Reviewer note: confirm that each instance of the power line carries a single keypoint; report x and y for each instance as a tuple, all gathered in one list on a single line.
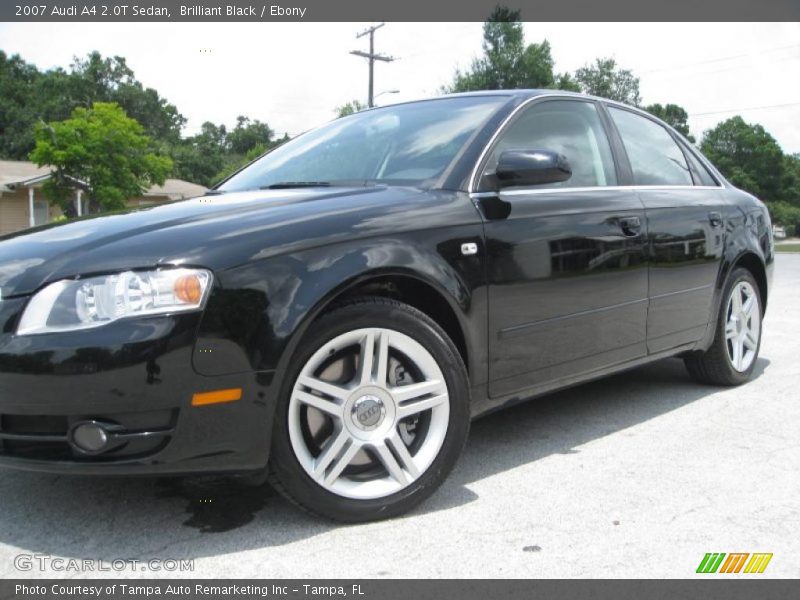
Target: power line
[(721, 59), (718, 112), (372, 56), (719, 71)]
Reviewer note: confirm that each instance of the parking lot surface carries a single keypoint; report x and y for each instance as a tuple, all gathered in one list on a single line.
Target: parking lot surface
[(637, 475)]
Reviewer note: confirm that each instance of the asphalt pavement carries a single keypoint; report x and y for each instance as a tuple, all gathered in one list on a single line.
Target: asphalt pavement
[(636, 475)]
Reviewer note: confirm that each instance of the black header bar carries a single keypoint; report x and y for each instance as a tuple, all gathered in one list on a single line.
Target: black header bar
[(407, 10)]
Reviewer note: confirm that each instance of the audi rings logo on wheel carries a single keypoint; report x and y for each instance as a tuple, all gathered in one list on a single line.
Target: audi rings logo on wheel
[(369, 411)]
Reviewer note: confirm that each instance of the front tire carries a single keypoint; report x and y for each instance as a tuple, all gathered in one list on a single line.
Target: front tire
[(732, 356), (374, 412)]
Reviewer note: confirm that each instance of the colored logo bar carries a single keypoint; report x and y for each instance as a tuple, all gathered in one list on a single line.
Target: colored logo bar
[(735, 562)]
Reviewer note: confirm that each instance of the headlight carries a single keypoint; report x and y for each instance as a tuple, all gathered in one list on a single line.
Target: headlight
[(68, 305)]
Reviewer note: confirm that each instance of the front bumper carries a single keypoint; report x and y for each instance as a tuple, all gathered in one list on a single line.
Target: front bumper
[(135, 374)]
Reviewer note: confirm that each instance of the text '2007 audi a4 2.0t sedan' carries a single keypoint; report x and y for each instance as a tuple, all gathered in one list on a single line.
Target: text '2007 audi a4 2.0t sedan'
[(340, 309)]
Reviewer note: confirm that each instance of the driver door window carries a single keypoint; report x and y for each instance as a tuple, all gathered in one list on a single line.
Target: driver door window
[(569, 127)]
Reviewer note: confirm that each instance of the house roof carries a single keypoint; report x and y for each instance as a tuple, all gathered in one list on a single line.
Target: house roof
[(18, 171), (177, 188), (15, 173)]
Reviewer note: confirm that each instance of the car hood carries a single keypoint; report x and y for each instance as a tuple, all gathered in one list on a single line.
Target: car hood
[(214, 231)]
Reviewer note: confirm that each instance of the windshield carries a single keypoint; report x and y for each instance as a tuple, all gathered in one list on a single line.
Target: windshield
[(406, 144)]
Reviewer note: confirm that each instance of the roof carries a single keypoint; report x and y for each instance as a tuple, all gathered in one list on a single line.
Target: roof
[(177, 187), (519, 95), (15, 173), (18, 171), (515, 92)]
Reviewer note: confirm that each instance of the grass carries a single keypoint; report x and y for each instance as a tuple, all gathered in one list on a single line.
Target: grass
[(787, 248)]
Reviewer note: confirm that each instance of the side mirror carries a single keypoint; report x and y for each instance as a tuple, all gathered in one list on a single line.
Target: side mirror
[(531, 167)]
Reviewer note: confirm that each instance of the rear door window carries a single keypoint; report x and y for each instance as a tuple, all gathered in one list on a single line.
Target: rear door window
[(655, 157)]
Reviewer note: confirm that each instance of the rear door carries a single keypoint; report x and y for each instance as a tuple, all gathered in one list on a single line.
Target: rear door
[(567, 264), (686, 229)]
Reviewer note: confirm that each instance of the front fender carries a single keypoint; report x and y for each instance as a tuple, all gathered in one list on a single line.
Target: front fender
[(258, 313)]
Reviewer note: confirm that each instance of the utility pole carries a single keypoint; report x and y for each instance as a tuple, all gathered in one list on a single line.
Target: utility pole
[(372, 57)]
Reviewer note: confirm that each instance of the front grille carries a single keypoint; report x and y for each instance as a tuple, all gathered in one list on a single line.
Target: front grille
[(46, 437)]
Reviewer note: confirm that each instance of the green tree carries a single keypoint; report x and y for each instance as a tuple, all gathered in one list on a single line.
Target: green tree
[(99, 79), (236, 162), (200, 157), (25, 96), (248, 135), (507, 61), (785, 214), (349, 108), (674, 115), (102, 147), (565, 81), (605, 79), (28, 96), (790, 183), (747, 155), (216, 152)]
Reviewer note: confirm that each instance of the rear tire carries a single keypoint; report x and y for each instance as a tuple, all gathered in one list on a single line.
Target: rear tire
[(355, 443), (732, 356)]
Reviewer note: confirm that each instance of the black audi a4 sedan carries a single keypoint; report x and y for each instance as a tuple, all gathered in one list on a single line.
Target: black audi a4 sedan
[(336, 312)]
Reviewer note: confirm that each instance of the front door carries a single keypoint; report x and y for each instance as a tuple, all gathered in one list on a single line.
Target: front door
[(567, 262)]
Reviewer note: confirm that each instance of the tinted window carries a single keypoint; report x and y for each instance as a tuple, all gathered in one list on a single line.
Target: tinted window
[(701, 174), (404, 144), (572, 128), (654, 156)]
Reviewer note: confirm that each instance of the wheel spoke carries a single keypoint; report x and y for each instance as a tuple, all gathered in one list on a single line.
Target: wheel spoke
[(340, 463), (323, 387), (403, 393), (365, 359), (417, 406), (374, 359), (730, 330), (736, 300), (749, 304), (750, 341), (738, 352), (382, 359), (401, 450), (390, 462), (328, 455), (329, 407)]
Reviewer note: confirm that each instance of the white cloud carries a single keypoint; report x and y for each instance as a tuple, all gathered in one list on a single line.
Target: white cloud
[(292, 75)]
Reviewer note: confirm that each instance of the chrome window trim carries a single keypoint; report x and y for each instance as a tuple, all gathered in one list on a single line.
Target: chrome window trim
[(596, 188), (473, 179)]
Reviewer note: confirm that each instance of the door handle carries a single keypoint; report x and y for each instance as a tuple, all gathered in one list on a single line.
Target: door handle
[(631, 226), (715, 219)]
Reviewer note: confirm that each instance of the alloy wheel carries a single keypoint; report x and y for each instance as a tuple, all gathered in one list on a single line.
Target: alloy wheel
[(742, 326), (368, 413)]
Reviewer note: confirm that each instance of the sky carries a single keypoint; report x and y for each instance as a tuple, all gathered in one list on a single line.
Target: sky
[(293, 75)]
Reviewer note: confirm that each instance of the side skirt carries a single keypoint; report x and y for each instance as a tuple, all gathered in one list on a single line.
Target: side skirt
[(482, 405)]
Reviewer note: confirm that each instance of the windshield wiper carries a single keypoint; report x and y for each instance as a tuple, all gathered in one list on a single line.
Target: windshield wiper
[(335, 183), (281, 185)]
